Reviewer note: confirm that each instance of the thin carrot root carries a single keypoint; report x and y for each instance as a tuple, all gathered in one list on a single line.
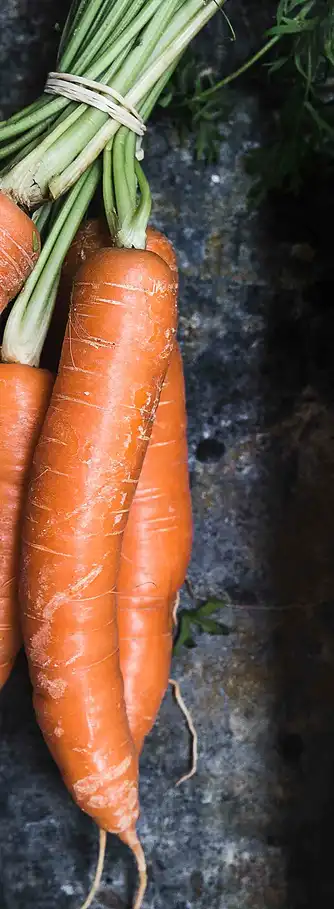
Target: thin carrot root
[(194, 755), (175, 608), (138, 852), (99, 870)]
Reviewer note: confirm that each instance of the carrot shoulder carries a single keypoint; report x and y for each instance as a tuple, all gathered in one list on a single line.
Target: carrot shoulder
[(19, 249), (155, 555), (115, 356), (24, 396)]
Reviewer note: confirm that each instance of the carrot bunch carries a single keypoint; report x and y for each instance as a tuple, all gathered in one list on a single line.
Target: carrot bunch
[(106, 534), (97, 530)]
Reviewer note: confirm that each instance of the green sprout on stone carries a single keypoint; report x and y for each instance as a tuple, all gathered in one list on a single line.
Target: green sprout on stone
[(200, 618)]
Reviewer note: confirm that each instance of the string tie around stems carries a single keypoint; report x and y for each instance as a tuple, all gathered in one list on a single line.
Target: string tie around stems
[(96, 94)]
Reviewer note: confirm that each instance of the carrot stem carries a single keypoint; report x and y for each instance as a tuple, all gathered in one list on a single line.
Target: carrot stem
[(108, 193), (132, 229), (122, 192), (85, 21), (103, 69), (72, 145), (129, 157), (137, 93), (109, 24), (42, 218), (99, 70), (30, 117), (77, 7), (24, 139), (132, 218)]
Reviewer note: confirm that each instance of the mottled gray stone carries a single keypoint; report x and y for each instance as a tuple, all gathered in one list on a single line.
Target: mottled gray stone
[(253, 830)]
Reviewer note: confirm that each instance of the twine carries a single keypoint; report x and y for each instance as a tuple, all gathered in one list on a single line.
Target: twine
[(95, 94)]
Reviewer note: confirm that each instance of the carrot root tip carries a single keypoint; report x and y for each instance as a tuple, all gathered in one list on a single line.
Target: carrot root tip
[(138, 853), (190, 723), (99, 871)]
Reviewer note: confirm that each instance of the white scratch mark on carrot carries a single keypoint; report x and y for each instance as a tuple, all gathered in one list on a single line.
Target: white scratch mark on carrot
[(54, 687), (29, 259), (90, 784)]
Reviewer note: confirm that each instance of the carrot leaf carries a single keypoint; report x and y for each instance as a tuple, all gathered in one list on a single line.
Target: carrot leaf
[(199, 616), (212, 627), (184, 638), (297, 52), (207, 607)]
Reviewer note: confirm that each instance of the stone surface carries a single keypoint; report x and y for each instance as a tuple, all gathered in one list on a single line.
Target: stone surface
[(253, 830)]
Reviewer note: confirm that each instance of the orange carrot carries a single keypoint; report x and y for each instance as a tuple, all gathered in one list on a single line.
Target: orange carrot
[(155, 555), (19, 249), (145, 680), (145, 628), (92, 235), (86, 466), (24, 396)]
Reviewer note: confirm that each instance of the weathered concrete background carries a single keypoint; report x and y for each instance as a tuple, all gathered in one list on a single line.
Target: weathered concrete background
[(253, 830)]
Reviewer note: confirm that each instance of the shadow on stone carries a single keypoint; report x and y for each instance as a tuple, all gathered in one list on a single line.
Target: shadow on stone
[(299, 405)]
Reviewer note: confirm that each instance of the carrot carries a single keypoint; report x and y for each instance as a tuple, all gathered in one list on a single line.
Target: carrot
[(24, 395), (155, 555), (145, 655), (143, 700), (19, 249), (86, 466), (93, 234)]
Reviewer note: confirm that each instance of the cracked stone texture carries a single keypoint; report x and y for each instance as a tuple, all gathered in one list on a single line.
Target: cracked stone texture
[(253, 830)]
